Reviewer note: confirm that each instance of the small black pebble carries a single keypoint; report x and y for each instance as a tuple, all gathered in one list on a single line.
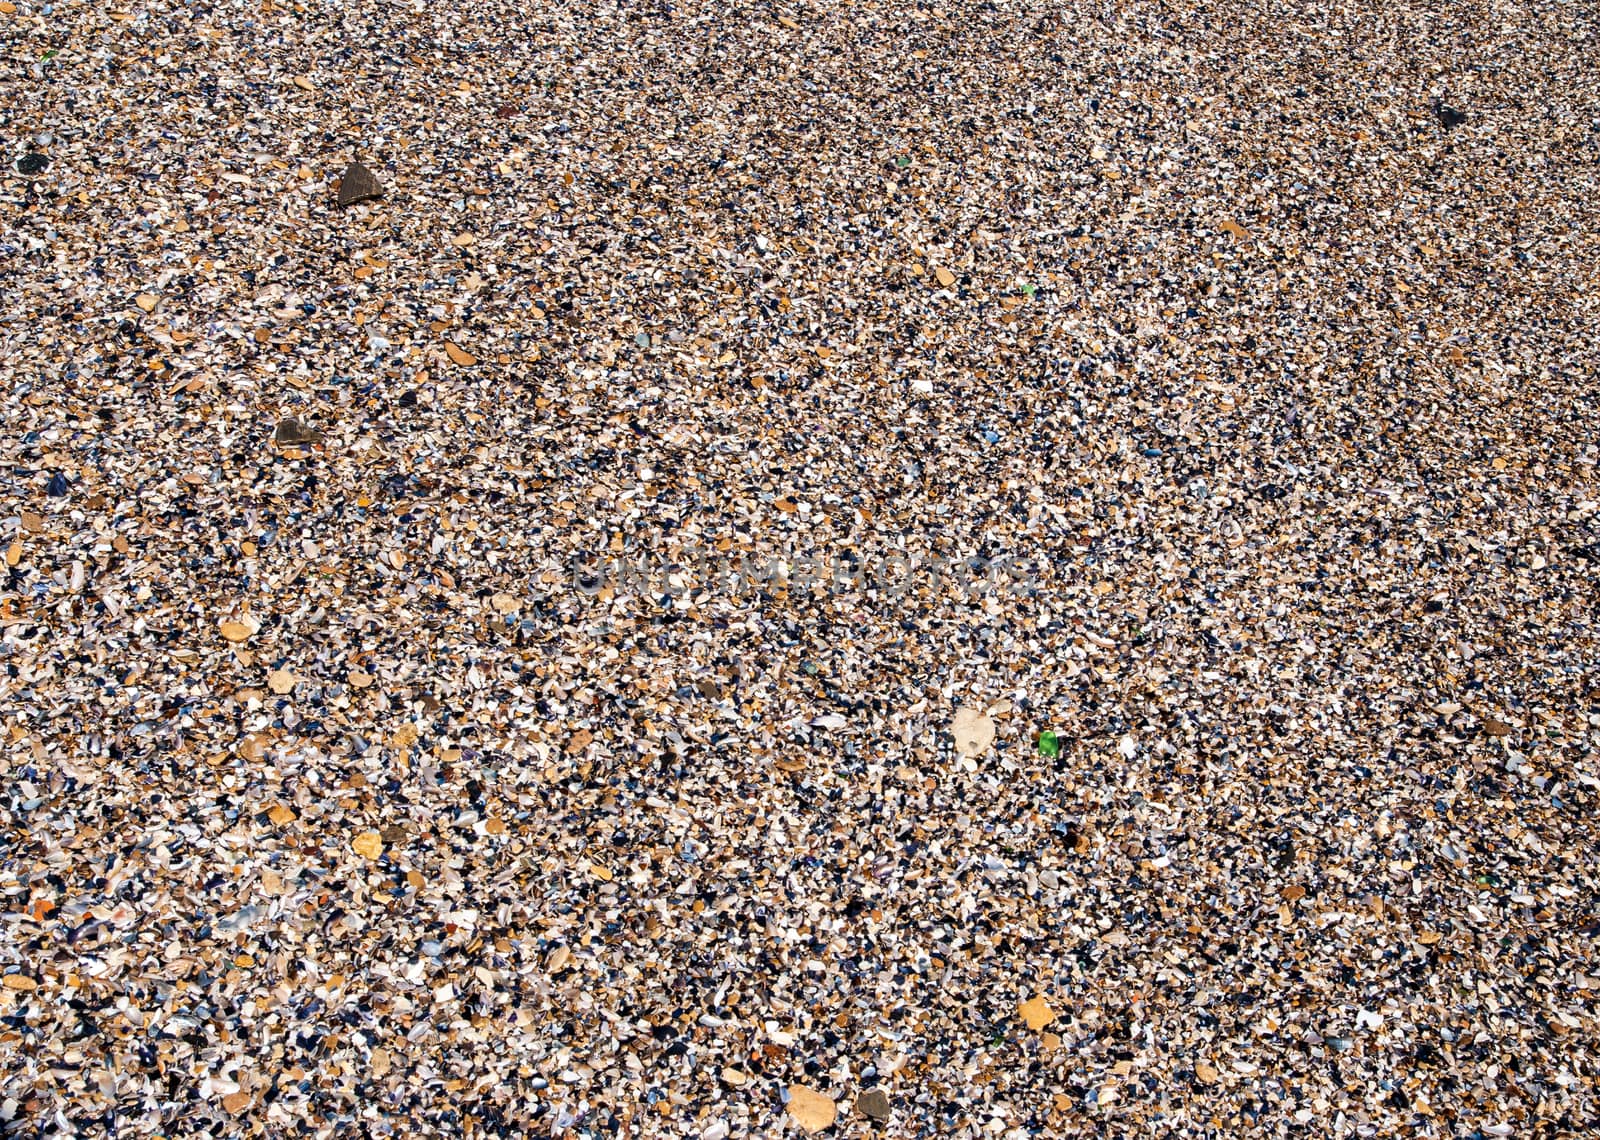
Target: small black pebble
[(32, 163)]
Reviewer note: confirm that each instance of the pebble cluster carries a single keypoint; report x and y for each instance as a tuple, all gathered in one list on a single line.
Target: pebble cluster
[(411, 719)]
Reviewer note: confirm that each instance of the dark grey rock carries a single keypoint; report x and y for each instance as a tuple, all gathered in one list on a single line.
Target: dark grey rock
[(358, 184)]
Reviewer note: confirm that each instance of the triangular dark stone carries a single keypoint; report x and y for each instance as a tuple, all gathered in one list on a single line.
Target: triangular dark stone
[(875, 1103), (295, 433), (358, 184)]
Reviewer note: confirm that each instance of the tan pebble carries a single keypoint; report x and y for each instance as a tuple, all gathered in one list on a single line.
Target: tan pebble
[(810, 1109), (1036, 1012), (236, 1102), (368, 844), (973, 731)]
